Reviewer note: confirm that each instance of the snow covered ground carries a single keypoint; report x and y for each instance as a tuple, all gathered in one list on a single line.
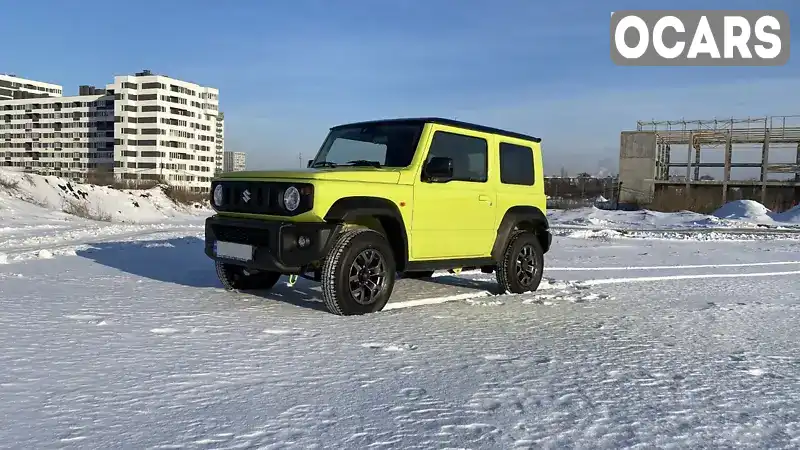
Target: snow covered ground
[(37, 215), (119, 335), (134, 344)]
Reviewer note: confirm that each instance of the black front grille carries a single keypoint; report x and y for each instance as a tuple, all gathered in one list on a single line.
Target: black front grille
[(257, 197), (240, 235)]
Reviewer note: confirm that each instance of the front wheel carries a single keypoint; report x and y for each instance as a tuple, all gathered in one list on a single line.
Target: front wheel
[(358, 274), (522, 264), (236, 278)]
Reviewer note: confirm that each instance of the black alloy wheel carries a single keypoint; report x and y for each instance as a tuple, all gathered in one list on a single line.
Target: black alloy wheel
[(522, 265), (367, 277), (358, 273), (526, 266)]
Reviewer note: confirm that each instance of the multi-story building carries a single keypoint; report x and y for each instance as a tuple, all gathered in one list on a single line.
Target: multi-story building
[(165, 130), (62, 136), (234, 162), (13, 87), (220, 143), (141, 127)]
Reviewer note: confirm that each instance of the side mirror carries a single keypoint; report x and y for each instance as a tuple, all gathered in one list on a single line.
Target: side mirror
[(439, 167), (310, 161)]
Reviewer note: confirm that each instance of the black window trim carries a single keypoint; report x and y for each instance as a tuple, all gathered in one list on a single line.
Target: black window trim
[(500, 162), (451, 123), (486, 153)]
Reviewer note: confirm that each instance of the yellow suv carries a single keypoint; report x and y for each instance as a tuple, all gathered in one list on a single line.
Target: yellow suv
[(406, 196)]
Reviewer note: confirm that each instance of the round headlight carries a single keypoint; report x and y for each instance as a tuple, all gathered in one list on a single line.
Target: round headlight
[(291, 198), (218, 196)]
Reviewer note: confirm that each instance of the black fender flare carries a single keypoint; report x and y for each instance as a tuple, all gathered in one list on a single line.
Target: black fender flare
[(522, 217), (348, 208)]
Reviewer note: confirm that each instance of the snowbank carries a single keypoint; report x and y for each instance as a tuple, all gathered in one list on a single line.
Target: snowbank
[(735, 214), (746, 210), (27, 196), (790, 216), (596, 217), (755, 212)]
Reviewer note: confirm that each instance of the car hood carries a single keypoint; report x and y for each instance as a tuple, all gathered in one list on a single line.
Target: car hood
[(353, 174)]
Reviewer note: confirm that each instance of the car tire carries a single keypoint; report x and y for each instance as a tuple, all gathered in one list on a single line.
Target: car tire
[(234, 278), (522, 264), (418, 274), (352, 249)]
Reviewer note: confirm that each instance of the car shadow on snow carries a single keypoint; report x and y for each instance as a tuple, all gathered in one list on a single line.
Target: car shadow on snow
[(183, 262)]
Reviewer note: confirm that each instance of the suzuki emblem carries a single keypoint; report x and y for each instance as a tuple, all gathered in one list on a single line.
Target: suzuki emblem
[(246, 195)]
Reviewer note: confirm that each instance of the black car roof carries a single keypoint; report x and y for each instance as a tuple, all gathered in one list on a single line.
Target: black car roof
[(443, 121)]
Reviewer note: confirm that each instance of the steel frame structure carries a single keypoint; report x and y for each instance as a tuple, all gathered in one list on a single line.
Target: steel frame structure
[(780, 131)]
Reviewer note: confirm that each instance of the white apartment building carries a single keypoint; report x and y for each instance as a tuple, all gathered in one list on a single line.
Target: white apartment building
[(141, 127), (234, 162), (220, 143), (12, 87), (165, 130), (62, 136)]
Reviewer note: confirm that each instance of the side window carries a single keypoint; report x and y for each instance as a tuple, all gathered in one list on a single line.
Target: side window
[(516, 164), (469, 155)]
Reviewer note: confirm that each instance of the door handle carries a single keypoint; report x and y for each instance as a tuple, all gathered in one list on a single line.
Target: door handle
[(483, 198)]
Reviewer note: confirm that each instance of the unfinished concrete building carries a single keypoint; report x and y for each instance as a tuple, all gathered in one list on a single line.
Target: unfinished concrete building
[(675, 157)]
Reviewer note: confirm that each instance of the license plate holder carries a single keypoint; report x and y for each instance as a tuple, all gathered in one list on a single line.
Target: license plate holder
[(233, 250)]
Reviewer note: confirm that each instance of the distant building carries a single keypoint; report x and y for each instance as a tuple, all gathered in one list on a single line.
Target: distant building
[(13, 88), (61, 136), (140, 127), (234, 162), (220, 141)]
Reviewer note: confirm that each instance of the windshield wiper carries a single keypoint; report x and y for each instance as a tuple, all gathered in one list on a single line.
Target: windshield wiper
[(364, 162), (324, 164)]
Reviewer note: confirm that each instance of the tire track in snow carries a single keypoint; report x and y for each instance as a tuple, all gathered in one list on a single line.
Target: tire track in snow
[(549, 293), (687, 230), (436, 300), (600, 281), (87, 234), (675, 267), (69, 246), (564, 286)]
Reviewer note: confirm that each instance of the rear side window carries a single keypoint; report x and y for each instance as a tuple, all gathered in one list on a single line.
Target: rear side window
[(516, 164)]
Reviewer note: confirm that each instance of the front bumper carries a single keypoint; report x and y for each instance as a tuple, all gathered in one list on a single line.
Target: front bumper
[(274, 243)]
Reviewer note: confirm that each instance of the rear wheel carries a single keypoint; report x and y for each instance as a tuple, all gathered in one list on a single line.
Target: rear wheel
[(522, 265), (358, 274), (236, 278)]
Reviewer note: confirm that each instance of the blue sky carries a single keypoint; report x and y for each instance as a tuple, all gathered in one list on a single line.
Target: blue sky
[(288, 70)]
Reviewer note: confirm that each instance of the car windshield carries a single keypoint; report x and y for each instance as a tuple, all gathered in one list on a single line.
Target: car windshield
[(377, 145)]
